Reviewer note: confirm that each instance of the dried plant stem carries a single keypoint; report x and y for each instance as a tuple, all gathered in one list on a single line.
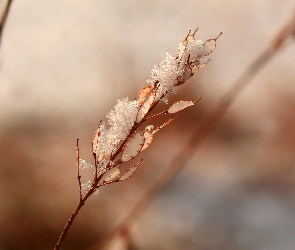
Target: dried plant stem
[(3, 17), (78, 169), (71, 219), (95, 183), (204, 127)]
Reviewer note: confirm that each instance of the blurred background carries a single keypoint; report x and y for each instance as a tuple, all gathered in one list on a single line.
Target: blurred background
[(63, 65)]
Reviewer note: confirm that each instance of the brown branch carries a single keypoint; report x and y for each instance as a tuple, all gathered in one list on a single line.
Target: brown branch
[(78, 169), (71, 220), (3, 17), (205, 126)]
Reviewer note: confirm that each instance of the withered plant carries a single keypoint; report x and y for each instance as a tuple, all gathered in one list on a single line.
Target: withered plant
[(123, 138)]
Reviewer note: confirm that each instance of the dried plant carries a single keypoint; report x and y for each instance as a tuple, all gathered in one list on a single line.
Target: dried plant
[(123, 140), (203, 129)]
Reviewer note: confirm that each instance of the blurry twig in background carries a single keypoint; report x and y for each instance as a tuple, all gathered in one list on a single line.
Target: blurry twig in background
[(3, 17), (205, 126)]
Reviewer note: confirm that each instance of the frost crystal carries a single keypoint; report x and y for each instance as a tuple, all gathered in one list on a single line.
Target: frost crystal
[(175, 70), (83, 164), (85, 187), (121, 119), (165, 74)]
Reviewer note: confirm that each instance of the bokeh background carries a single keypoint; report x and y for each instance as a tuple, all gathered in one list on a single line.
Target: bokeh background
[(63, 65)]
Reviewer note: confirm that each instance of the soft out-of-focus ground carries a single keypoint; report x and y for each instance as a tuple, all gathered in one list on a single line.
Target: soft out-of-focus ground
[(63, 65)]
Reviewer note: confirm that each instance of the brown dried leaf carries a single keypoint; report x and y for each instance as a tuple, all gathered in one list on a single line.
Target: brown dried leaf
[(148, 138), (144, 109), (209, 46), (144, 93), (200, 66), (129, 172), (132, 147), (180, 105), (95, 139), (114, 173)]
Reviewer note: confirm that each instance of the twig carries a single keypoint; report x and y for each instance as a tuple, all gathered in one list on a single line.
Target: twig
[(205, 126), (127, 116), (78, 169), (3, 17), (73, 216)]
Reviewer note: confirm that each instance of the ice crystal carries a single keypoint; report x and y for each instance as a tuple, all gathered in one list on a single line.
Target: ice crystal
[(85, 187), (165, 74), (83, 164), (174, 70), (102, 166), (121, 119)]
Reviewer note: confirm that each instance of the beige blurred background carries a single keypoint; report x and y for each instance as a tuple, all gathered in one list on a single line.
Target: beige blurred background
[(63, 65)]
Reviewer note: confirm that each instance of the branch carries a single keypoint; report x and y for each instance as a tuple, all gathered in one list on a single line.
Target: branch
[(3, 17), (70, 221), (205, 126), (78, 169)]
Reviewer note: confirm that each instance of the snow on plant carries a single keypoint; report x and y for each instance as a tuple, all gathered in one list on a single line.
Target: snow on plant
[(121, 139)]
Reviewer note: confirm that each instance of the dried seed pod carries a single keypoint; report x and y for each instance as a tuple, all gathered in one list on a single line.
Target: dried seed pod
[(148, 138), (95, 139), (144, 109), (129, 172), (208, 46), (132, 147), (200, 66), (144, 93), (180, 105), (113, 174)]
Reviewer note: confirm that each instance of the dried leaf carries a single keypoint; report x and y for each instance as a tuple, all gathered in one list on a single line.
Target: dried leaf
[(148, 138), (200, 66), (129, 172), (144, 93), (180, 105), (144, 109), (209, 46), (132, 147), (114, 173), (95, 139)]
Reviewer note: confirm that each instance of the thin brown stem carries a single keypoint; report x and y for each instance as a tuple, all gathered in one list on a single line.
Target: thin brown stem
[(3, 17), (78, 169), (72, 218), (205, 126)]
